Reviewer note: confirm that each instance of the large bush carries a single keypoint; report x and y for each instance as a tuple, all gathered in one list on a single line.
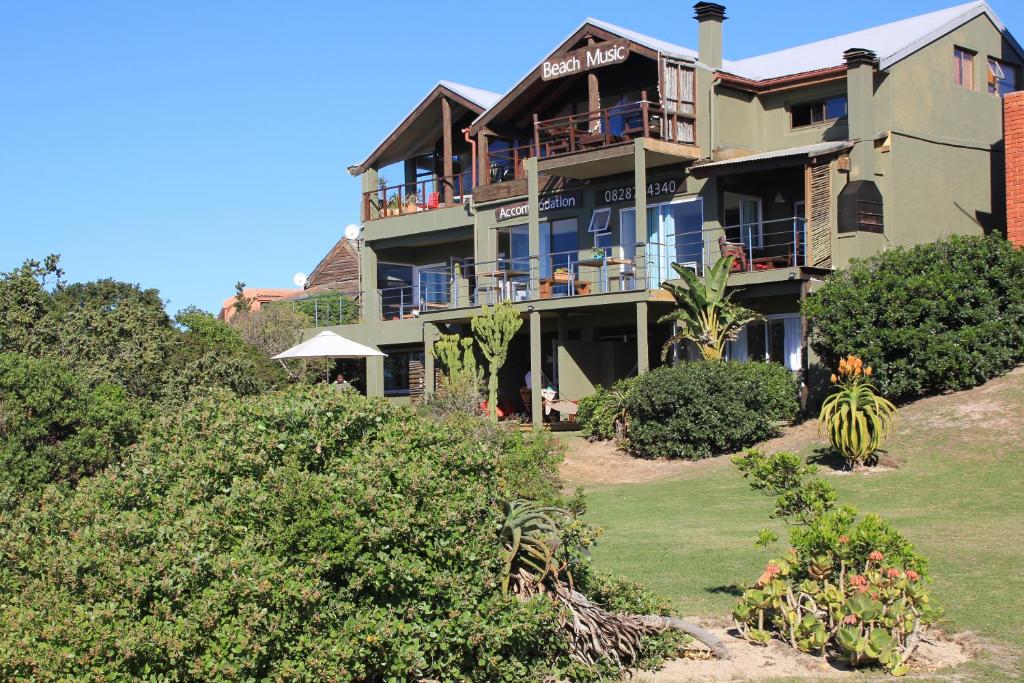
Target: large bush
[(54, 428), (936, 317), (313, 535), (700, 408)]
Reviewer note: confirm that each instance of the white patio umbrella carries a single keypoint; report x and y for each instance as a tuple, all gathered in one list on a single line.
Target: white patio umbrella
[(328, 344)]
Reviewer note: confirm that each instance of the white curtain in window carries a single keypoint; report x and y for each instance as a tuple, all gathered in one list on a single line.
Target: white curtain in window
[(737, 349), (793, 341)]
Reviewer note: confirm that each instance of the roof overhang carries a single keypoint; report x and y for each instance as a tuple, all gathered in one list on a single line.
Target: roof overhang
[(418, 131), (763, 161), (590, 28)]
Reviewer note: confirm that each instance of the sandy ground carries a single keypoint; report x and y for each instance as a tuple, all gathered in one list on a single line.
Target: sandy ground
[(753, 662)]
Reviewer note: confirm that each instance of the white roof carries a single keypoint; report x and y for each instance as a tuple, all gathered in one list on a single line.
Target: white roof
[(891, 42), (665, 48), (327, 344), (481, 98), (803, 150)]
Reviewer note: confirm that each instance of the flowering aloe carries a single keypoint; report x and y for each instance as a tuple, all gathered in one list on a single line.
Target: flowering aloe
[(854, 416)]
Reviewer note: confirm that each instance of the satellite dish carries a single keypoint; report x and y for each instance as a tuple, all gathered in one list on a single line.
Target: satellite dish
[(352, 232), (299, 279)]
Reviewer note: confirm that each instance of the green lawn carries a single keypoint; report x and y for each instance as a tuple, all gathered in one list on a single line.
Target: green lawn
[(958, 495)]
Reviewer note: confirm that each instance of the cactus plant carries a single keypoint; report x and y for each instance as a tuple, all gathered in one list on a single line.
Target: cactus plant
[(494, 329)]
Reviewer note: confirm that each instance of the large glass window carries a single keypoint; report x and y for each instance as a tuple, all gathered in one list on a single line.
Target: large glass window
[(743, 225), (514, 248), (559, 246), (777, 339), (674, 234)]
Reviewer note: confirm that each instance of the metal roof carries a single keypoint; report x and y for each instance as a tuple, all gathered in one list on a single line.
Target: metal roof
[(483, 98), (804, 150)]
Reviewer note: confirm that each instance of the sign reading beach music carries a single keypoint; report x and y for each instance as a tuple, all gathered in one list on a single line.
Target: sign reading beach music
[(584, 59)]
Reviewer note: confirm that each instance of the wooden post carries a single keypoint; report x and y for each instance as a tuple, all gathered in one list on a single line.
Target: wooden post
[(536, 136), (593, 97), (483, 174), (446, 150), (644, 114)]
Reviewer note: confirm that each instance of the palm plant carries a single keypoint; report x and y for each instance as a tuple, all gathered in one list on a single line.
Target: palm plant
[(705, 313), (854, 416)]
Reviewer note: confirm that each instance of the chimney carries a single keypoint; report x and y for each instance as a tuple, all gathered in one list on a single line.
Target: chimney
[(709, 16), (860, 89), (859, 205)]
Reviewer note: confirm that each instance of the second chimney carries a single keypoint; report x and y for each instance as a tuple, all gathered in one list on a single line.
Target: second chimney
[(709, 17)]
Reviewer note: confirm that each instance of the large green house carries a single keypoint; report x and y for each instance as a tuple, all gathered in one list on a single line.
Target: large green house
[(618, 154)]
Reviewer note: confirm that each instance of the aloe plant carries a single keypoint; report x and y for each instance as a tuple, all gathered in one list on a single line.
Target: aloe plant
[(855, 417), (705, 313)]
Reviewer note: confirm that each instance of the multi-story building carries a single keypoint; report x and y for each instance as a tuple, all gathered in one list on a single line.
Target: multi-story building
[(619, 154)]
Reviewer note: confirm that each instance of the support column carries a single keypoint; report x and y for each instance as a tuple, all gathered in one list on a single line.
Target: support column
[(533, 197), (371, 201), (536, 404), (429, 335), (640, 193), (446, 149), (370, 298), (483, 172), (642, 352), (593, 97), (375, 376)]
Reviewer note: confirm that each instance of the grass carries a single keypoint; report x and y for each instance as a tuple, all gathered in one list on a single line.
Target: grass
[(958, 494)]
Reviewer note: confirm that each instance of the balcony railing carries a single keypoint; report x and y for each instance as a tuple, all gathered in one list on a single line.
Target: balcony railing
[(422, 195), (756, 247), (329, 308), (507, 163), (610, 126)]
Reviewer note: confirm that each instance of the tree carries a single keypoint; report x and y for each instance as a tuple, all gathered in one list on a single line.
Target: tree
[(54, 428), (24, 301), (705, 315), (210, 353), (278, 326), (494, 329), (242, 304)]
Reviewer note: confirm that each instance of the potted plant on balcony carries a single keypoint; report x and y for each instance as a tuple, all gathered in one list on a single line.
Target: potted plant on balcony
[(412, 201), (560, 275), (395, 204)]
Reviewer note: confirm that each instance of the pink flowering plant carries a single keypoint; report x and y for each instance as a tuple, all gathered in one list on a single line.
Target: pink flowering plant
[(850, 587)]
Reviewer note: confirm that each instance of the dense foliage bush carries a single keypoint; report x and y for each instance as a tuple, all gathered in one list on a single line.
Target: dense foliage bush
[(935, 317), (54, 428), (602, 414), (308, 535), (699, 408), (849, 587)]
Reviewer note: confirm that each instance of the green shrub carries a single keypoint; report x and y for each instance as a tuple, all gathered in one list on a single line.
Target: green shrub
[(850, 587), (699, 408), (54, 428), (602, 414), (307, 535), (936, 317)]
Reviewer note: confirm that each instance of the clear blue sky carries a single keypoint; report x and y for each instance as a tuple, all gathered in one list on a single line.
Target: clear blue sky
[(188, 145)]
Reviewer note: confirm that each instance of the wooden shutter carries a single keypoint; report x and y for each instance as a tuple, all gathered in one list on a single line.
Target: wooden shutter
[(677, 99), (819, 224)]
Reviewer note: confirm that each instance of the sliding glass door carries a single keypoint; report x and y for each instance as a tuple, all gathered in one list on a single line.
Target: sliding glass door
[(674, 235)]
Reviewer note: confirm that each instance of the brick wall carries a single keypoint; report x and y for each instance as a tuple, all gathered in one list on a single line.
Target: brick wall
[(1013, 138)]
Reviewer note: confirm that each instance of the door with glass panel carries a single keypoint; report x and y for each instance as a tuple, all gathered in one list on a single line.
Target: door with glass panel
[(743, 221), (674, 235)]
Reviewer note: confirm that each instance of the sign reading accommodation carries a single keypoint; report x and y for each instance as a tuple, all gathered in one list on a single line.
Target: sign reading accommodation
[(584, 59), (552, 202), (657, 188)]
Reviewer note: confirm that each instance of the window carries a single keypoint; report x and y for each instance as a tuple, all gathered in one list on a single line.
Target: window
[(559, 246), (821, 111), (1002, 77), (599, 220), (743, 224), (674, 234), (397, 371), (777, 339), (963, 68)]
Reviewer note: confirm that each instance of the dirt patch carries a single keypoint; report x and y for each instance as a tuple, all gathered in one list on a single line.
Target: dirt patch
[(601, 462), (754, 662)]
